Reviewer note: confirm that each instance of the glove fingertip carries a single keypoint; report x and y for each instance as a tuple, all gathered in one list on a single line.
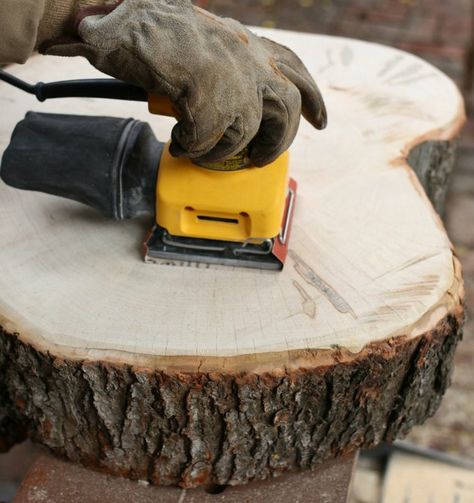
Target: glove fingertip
[(262, 159), (317, 116), (176, 150), (261, 153)]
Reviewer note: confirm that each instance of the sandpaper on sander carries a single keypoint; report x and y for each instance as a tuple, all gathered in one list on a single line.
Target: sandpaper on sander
[(228, 213)]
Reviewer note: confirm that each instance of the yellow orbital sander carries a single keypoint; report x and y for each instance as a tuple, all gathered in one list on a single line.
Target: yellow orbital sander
[(227, 213)]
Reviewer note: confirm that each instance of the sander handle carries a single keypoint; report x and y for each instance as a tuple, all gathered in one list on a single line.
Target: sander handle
[(81, 88), (94, 88)]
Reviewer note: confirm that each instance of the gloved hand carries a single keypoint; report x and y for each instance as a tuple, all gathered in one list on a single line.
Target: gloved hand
[(232, 88)]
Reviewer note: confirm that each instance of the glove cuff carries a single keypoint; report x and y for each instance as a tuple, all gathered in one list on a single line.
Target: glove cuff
[(58, 17)]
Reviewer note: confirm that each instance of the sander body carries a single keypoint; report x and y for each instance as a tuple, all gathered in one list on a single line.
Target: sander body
[(225, 213)]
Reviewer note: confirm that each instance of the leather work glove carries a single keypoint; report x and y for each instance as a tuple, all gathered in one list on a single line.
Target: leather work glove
[(231, 87)]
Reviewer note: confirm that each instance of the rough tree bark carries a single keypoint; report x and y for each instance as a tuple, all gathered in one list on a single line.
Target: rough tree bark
[(433, 162), (202, 428)]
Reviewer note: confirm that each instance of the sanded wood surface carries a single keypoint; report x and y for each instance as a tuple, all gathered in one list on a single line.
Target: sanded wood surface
[(196, 375)]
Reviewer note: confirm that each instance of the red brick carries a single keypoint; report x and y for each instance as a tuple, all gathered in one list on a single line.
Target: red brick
[(355, 12), (381, 33), (454, 32), (467, 138), (421, 29), (54, 481), (460, 218), (13, 467), (451, 51), (444, 8)]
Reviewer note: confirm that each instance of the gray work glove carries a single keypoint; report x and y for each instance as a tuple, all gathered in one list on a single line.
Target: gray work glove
[(231, 87)]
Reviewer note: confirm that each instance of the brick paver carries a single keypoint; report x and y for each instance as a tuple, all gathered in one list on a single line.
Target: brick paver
[(51, 480)]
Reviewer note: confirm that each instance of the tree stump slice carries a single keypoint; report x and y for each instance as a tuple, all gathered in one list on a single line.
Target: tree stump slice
[(194, 376)]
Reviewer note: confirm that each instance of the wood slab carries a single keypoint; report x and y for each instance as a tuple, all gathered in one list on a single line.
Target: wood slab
[(191, 376)]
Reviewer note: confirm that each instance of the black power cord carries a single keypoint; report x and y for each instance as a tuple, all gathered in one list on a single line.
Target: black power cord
[(83, 88)]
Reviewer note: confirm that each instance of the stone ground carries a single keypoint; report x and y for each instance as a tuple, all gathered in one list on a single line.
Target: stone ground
[(441, 31)]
